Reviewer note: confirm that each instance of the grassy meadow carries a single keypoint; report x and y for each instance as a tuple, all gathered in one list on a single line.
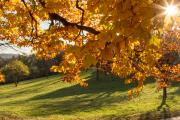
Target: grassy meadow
[(48, 98)]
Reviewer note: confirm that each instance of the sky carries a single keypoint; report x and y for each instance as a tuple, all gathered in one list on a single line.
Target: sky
[(23, 50), (15, 50)]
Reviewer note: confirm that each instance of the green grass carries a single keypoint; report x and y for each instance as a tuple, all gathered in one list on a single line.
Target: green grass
[(50, 99)]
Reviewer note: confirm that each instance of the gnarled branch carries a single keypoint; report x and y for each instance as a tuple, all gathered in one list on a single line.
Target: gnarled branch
[(54, 16)]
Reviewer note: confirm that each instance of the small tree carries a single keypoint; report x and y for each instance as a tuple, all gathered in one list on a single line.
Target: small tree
[(15, 71), (168, 71), (169, 64)]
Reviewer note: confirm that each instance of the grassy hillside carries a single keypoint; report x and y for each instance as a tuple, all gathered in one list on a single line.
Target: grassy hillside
[(49, 98)]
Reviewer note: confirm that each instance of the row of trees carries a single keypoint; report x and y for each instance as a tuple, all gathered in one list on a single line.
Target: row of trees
[(26, 67)]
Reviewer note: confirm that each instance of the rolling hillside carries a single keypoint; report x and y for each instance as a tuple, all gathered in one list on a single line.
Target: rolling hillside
[(50, 99)]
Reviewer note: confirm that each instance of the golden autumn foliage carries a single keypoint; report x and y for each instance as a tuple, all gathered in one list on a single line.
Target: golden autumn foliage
[(2, 78), (168, 66), (121, 31)]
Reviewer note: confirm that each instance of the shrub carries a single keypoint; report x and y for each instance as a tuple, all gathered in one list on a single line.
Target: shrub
[(15, 71)]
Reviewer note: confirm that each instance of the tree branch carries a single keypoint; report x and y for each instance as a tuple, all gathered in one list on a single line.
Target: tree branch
[(32, 18), (54, 16), (77, 6)]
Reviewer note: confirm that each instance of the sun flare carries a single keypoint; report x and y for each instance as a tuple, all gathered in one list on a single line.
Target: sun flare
[(171, 10)]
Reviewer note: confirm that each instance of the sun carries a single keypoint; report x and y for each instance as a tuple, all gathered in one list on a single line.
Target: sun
[(168, 9), (171, 10)]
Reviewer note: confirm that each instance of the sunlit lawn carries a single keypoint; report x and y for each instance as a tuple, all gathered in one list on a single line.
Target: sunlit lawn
[(48, 98)]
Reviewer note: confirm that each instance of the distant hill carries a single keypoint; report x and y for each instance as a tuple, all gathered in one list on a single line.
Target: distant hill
[(8, 56)]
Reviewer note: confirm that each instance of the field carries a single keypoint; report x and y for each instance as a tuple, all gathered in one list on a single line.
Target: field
[(50, 99)]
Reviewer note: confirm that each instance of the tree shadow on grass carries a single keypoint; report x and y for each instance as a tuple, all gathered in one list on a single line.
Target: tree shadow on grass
[(177, 91), (94, 87), (33, 88), (74, 98), (85, 103), (151, 115), (96, 95), (165, 113)]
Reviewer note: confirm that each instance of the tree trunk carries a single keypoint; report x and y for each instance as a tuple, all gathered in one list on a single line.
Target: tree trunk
[(105, 75), (97, 72), (164, 92), (16, 83), (164, 95)]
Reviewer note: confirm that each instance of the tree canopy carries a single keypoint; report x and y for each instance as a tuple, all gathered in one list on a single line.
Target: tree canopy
[(125, 32), (15, 71)]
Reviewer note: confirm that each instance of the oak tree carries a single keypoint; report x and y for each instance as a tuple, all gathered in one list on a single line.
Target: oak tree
[(88, 31)]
